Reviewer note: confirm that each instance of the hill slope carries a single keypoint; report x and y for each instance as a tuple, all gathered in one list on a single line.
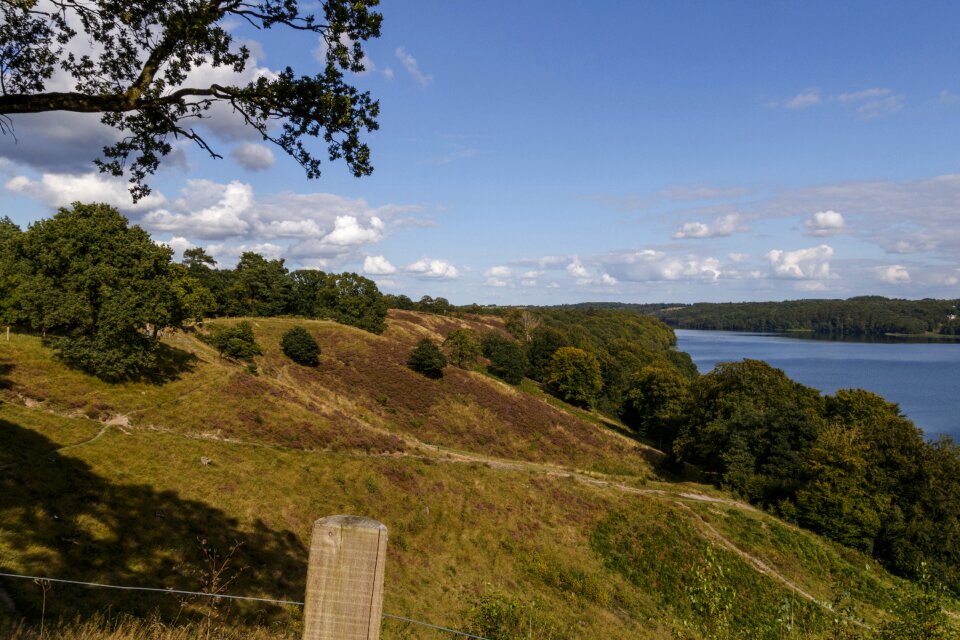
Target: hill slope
[(503, 508)]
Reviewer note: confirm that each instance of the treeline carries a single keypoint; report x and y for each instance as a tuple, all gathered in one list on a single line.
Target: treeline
[(101, 291), (866, 316), (849, 466)]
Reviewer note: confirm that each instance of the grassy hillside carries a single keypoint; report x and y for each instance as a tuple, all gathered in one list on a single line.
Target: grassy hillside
[(505, 510)]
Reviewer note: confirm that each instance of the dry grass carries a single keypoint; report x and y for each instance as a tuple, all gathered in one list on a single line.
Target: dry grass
[(135, 505)]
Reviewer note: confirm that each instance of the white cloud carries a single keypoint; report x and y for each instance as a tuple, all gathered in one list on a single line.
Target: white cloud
[(576, 269), (433, 268), (893, 274), (253, 157), (650, 265), (347, 231), (179, 245), (500, 271), (608, 279), (859, 96), (808, 98), (498, 276), (410, 64), (227, 254), (738, 257), (870, 103), (388, 73), (802, 264), (60, 190), (720, 227), (378, 266), (228, 215), (825, 223)]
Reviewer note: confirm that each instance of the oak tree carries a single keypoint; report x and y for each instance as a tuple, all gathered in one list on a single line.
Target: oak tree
[(137, 68)]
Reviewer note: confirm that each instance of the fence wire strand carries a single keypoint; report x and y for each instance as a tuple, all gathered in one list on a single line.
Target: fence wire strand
[(222, 596)]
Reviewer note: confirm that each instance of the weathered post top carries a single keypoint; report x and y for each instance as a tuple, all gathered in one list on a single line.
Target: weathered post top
[(345, 579)]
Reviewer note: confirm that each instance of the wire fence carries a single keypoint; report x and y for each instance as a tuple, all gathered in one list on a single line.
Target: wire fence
[(222, 596)]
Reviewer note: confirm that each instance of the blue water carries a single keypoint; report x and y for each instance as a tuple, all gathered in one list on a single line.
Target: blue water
[(923, 378)]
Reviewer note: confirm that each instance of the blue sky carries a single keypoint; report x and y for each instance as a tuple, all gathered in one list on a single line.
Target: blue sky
[(550, 152)]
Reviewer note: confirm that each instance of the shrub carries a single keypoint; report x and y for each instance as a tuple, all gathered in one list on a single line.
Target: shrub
[(299, 346), (427, 359), (234, 341)]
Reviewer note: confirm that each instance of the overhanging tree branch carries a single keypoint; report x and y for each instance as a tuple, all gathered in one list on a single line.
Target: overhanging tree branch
[(146, 49)]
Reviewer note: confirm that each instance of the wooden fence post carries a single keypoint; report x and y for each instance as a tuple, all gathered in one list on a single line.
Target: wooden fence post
[(345, 579)]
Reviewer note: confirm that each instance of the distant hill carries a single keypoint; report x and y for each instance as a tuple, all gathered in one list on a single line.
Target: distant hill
[(864, 316), (509, 512)]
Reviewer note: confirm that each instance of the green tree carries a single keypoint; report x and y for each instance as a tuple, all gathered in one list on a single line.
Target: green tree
[(573, 375), (837, 500), (544, 342), (94, 285), (753, 414), (196, 301), (656, 402), (260, 287), (463, 348), (352, 299), (136, 72), (10, 234), (300, 346), (507, 359), (521, 323), (427, 359)]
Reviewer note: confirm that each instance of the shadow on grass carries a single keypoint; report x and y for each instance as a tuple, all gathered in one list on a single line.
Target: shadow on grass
[(141, 361), (667, 468), (60, 519), (5, 369)]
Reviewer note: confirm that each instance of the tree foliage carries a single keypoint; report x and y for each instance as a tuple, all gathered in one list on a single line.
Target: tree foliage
[(427, 359), (463, 348), (94, 285), (573, 375), (300, 346), (140, 70), (235, 341), (507, 359)]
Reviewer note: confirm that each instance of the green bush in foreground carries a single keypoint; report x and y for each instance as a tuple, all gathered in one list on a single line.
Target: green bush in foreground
[(299, 346), (427, 359)]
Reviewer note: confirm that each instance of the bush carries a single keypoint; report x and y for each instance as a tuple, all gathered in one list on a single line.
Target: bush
[(427, 359), (299, 346), (235, 341)]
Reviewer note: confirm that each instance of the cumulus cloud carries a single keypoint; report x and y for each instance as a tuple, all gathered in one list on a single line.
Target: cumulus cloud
[(825, 223), (179, 245), (802, 264), (498, 276), (226, 212), (720, 227), (893, 274), (738, 257), (60, 190), (433, 268), (347, 230), (650, 265), (607, 279), (253, 157), (378, 266), (410, 64), (576, 269)]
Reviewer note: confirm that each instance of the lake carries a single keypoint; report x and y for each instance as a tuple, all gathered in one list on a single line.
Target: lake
[(923, 378)]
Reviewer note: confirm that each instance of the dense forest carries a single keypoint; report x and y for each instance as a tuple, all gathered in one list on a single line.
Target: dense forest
[(866, 316), (849, 466)]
